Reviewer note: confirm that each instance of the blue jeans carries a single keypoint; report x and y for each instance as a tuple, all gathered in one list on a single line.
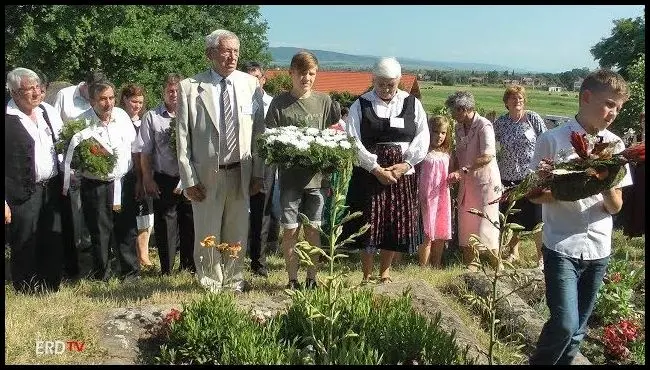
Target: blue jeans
[(571, 288)]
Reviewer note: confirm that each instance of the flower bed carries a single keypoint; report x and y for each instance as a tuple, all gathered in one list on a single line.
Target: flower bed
[(213, 330)]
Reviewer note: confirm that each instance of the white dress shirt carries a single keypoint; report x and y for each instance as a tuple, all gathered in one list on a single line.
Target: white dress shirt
[(582, 228), (413, 152), (119, 134), (266, 98), (45, 159), (69, 103)]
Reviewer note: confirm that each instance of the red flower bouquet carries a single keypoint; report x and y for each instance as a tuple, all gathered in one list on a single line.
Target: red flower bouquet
[(596, 169)]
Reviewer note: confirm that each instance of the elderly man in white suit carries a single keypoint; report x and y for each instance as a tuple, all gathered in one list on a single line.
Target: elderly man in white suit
[(220, 114)]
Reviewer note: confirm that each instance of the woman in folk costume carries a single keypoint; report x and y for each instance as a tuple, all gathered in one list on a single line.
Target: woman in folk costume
[(390, 128)]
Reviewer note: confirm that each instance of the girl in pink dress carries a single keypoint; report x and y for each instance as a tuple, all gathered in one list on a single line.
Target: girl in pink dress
[(435, 200)]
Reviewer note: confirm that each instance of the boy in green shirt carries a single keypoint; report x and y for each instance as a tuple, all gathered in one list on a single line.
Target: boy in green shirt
[(301, 190)]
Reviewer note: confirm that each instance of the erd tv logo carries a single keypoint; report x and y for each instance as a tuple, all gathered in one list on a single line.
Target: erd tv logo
[(57, 347)]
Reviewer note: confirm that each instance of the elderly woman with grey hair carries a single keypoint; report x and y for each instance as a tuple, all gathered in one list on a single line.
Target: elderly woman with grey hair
[(391, 132), (474, 166)]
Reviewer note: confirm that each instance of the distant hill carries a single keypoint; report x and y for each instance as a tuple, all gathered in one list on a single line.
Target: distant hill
[(330, 59)]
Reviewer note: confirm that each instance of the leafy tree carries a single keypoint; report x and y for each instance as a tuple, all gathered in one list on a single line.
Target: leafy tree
[(493, 77), (131, 43), (623, 47), (569, 77), (629, 115), (448, 79)]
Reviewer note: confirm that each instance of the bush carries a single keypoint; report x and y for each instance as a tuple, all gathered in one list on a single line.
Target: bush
[(616, 296), (345, 98), (389, 331), (628, 117), (278, 84), (213, 331)]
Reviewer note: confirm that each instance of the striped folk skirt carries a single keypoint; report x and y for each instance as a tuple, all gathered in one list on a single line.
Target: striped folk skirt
[(391, 210)]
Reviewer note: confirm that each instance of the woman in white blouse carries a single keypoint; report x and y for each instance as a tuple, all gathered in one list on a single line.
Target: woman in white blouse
[(390, 128)]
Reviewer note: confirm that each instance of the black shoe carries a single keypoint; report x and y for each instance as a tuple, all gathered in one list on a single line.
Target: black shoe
[(131, 278), (261, 271), (245, 286), (310, 284), (293, 285), (71, 274), (71, 279), (189, 270)]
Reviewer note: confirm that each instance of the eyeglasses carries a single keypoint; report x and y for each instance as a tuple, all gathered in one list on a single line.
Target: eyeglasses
[(31, 89), (228, 51)]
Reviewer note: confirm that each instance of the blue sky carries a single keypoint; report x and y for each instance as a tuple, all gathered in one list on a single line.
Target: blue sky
[(543, 38)]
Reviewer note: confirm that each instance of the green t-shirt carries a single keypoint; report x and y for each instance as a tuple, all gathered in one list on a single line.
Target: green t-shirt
[(314, 111)]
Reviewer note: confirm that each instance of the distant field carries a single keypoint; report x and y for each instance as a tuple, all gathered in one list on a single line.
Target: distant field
[(490, 98)]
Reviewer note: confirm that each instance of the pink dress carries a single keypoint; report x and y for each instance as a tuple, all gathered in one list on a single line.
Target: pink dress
[(435, 200), (478, 187)]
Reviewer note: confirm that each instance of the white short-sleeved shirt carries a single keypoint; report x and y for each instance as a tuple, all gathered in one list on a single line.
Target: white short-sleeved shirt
[(582, 228), (70, 104)]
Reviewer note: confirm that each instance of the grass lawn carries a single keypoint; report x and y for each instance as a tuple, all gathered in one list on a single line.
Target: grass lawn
[(74, 313), (491, 98)]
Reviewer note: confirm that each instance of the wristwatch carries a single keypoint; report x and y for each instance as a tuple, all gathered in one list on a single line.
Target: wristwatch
[(464, 169)]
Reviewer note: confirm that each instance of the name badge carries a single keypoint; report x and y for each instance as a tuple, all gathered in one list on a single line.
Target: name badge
[(397, 122), (247, 109)]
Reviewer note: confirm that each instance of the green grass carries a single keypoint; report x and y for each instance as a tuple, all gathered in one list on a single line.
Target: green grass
[(491, 98), (76, 311)]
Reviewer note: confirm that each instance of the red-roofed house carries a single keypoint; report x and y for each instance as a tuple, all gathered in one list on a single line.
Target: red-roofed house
[(355, 83)]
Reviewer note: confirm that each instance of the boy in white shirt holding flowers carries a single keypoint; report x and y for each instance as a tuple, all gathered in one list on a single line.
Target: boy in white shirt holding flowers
[(577, 235)]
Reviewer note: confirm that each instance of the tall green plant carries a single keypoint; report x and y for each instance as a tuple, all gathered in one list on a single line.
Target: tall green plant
[(332, 282), (507, 232)]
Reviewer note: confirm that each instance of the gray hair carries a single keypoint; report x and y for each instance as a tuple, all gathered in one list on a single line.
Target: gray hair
[(461, 99), (99, 87), (387, 67), (212, 40), (16, 76)]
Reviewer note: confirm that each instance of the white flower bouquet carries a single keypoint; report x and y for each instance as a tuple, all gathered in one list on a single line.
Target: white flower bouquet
[(320, 150)]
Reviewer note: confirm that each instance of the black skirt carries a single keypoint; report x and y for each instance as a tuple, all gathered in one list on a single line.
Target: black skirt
[(633, 211), (391, 210)]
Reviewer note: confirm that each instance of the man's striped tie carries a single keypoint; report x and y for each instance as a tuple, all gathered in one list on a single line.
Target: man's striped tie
[(228, 121)]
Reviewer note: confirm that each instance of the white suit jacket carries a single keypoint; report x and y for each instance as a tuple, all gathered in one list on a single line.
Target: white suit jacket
[(197, 138)]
